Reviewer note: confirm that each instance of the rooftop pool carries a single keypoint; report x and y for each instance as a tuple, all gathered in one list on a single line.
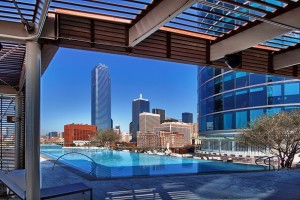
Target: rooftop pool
[(115, 164)]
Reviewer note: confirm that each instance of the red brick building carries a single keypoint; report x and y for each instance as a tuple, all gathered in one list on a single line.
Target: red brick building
[(148, 140), (175, 140), (81, 132)]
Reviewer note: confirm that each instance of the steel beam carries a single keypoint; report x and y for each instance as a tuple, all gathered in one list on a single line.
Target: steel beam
[(32, 120), (48, 52), (18, 111), (286, 59), (13, 33), (255, 35), (156, 18)]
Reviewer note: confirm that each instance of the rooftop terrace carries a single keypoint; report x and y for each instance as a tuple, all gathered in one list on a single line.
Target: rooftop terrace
[(258, 185)]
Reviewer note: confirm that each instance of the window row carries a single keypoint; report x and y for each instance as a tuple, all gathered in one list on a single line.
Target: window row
[(230, 81), (274, 94), (238, 119)]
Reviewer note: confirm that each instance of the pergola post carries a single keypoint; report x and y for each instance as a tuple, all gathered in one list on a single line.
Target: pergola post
[(32, 120), (18, 111)]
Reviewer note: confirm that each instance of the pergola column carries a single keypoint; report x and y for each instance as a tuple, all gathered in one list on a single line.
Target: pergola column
[(18, 113), (32, 120)]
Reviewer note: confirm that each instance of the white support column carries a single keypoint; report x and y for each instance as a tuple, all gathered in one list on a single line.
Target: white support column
[(18, 110), (32, 120)]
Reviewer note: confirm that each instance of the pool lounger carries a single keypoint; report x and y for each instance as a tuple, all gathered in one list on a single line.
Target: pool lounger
[(14, 181)]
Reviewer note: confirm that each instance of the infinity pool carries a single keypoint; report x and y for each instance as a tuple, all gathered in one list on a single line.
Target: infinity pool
[(113, 164)]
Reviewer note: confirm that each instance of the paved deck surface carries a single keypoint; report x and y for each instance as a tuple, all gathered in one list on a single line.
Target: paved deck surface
[(254, 185)]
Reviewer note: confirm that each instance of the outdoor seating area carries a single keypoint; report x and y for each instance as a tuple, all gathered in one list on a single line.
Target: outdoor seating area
[(245, 159)]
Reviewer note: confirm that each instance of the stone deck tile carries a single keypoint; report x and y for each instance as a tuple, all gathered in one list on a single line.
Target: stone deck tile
[(253, 185)]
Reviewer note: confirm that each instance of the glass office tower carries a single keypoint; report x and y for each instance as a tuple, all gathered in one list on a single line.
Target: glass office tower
[(138, 106), (229, 100), (101, 97), (187, 117)]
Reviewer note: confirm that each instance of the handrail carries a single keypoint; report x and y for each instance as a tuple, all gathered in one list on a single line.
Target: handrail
[(76, 153), (268, 158)]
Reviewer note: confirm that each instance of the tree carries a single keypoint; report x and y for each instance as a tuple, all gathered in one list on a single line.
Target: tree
[(105, 137), (279, 134)]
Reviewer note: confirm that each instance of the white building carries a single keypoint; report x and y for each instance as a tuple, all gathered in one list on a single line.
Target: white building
[(148, 121)]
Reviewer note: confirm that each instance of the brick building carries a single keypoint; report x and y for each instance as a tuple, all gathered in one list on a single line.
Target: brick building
[(148, 140), (160, 140), (78, 132), (175, 140)]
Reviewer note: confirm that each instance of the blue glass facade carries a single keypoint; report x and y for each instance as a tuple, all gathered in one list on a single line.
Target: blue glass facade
[(187, 117), (101, 97), (138, 106), (229, 100)]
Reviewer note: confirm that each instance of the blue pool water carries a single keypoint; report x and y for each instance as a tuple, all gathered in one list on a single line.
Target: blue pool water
[(113, 164)]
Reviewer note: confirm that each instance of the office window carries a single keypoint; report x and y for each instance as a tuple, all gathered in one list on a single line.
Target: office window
[(257, 79), (241, 79), (255, 114), (218, 103), (274, 78), (203, 107), (210, 105), (203, 124), (210, 88), (241, 119), (242, 98), (217, 71), (273, 111), (228, 81), (274, 94), (218, 85), (228, 120), (209, 123), (291, 108), (291, 92), (218, 121), (229, 101), (203, 92), (257, 96)]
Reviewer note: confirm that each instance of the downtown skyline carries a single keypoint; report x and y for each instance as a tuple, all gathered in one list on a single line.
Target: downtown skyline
[(66, 94)]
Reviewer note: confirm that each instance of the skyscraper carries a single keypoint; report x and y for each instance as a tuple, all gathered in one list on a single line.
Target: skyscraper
[(161, 112), (187, 117), (138, 106), (101, 97)]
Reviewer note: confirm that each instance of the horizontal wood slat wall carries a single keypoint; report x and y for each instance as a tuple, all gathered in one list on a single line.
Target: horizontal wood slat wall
[(112, 37)]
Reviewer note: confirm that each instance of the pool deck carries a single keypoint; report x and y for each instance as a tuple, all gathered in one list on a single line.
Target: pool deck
[(250, 185)]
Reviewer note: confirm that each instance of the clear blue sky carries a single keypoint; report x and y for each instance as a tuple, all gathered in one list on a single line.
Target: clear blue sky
[(66, 87)]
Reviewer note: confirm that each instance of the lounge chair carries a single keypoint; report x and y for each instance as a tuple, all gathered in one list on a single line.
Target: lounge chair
[(15, 182)]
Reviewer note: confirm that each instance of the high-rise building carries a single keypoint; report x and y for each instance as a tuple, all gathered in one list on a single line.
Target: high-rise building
[(80, 133), (53, 134), (101, 97), (187, 117), (138, 106), (161, 112), (229, 101), (148, 121)]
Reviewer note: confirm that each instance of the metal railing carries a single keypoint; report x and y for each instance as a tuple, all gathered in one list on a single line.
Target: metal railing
[(267, 160), (93, 169)]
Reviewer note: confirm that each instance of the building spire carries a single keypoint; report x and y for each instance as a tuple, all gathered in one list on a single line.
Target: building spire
[(141, 96)]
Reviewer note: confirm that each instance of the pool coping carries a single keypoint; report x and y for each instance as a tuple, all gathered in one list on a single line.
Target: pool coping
[(93, 178)]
